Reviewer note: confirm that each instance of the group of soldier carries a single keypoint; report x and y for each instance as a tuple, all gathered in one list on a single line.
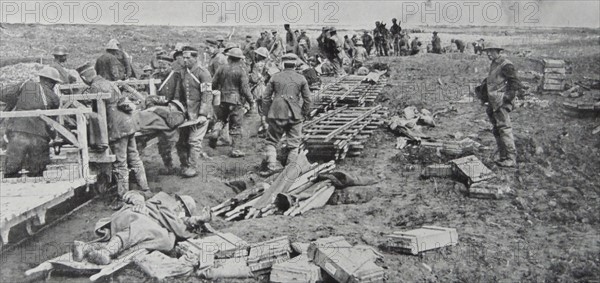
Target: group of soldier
[(213, 93)]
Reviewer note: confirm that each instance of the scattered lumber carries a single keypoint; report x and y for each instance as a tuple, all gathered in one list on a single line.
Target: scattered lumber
[(554, 75)]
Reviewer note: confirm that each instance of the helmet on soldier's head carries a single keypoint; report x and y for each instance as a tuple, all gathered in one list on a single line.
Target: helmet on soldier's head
[(236, 53), (59, 50), (262, 51), (147, 68), (189, 204), (50, 73), (112, 45), (220, 38)]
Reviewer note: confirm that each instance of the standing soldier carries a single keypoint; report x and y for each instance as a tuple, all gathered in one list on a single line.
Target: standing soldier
[(287, 103), (436, 43), (108, 65), (232, 81), (290, 39), (498, 90), (220, 41), (257, 77), (395, 31), (217, 60), (415, 46), (305, 37), (277, 47), (158, 51), (196, 91), (60, 57), (28, 137), (121, 130), (335, 51), (460, 45), (367, 40), (124, 58), (322, 39)]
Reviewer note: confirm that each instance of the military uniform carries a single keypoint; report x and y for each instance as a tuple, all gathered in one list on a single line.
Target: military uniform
[(498, 90), (216, 62), (110, 68), (305, 37), (360, 57), (28, 137), (335, 47), (287, 102), (196, 94), (233, 83), (64, 74), (121, 130), (367, 40), (436, 44)]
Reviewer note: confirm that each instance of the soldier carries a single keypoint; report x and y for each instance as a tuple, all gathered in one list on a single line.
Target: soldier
[(124, 58), (232, 81), (121, 130), (360, 56), (257, 77), (335, 52), (436, 44), (277, 47), (158, 51), (153, 224), (287, 103), (460, 45), (395, 30), (305, 37), (220, 41), (290, 39), (217, 60), (498, 90), (478, 46), (108, 65), (415, 46), (196, 91), (60, 57), (321, 40), (28, 137), (367, 40), (348, 46), (169, 90)]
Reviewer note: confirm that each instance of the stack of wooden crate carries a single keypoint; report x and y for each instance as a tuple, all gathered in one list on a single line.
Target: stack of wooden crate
[(554, 75)]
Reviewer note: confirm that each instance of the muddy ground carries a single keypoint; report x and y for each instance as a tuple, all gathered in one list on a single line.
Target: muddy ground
[(547, 231)]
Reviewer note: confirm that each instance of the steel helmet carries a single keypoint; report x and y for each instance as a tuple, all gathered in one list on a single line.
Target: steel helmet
[(359, 42), (492, 45), (236, 53), (178, 104), (50, 73), (189, 203), (59, 50), (220, 38), (114, 40), (147, 68), (262, 51), (302, 41), (112, 45)]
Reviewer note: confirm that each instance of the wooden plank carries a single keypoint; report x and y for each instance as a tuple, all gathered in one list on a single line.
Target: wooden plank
[(82, 135), (349, 124), (86, 96), (152, 86), (422, 239), (37, 113), (62, 130), (102, 120)]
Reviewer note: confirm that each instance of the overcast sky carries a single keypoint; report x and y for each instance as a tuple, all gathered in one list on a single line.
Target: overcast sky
[(576, 13)]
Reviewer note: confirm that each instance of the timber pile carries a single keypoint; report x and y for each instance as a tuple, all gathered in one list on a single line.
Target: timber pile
[(554, 74), (581, 109), (342, 131), (350, 90), (286, 194)]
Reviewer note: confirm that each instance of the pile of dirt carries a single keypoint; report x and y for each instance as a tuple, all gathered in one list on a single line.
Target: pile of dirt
[(19, 73)]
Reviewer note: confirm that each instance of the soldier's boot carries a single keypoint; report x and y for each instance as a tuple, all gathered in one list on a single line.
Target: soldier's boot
[(140, 176), (80, 250), (169, 169), (507, 144), (292, 156), (190, 170), (270, 159), (236, 152), (213, 136), (103, 255)]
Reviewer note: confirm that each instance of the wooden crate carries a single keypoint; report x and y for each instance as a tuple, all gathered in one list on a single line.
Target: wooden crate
[(296, 270), (471, 169), (552, 63), (422, 239)]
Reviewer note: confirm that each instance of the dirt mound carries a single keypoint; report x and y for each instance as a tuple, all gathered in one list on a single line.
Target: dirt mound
[(19, 72)]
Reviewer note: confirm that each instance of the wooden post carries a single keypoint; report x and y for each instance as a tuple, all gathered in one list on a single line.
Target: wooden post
[(102, 122), (82, 135), (152, 87), (61, 120)]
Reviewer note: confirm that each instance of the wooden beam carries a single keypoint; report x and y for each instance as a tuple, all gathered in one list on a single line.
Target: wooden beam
[(62, 130), (152, 87), (349, 124), (87, 96), (82, 132), (37, 113)]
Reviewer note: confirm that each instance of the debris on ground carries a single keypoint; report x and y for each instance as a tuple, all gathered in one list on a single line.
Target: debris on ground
[(582, 109), (530, 102), (419, 240), (554, 75), (487, 190), (437, 170), (471, 170), (159, 266), (345, 263)]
